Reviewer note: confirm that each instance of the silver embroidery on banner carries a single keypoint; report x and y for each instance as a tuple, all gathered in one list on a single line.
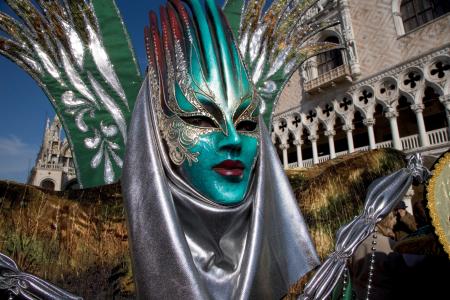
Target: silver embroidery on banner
[(75, 42), (50, 46), (244, 43), (93, 142), (79, 120), (109, 104), (260, 65), (279, 62), (49, 66), (289, 66), (103, 63), (269, 87), (97, 159), (109, 171), (68, 98), (108, 131), (113, 145), (256, 41), (116, 159), (33, 64), (74, 77)]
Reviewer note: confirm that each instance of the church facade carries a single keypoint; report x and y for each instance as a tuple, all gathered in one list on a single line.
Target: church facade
[(54, 168), (389, 85)]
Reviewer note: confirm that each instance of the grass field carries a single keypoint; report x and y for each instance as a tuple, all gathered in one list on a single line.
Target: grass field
[(78, 239)]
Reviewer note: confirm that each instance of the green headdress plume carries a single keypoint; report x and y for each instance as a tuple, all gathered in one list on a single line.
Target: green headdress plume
[(80, 54), (275, 43)]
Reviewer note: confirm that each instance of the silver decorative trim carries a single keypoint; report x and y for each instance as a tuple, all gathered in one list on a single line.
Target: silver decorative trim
[(93, 142), (103, 63), (108, 131), (49, 66), (109, 171), (116, 157), (260, 64), (74, 77), (68, 98), (256, 41), (75, 43), (79, 120), (279, 62), (109, 104), (33, 64)]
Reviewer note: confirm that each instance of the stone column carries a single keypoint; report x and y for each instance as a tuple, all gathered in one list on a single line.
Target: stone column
[(446, 102), (423, 137), (330, 134), (284, 147), (348, 129), (369, 124), (298, 145), (349, 38), (313, 139), (392, 117), (310, 70)]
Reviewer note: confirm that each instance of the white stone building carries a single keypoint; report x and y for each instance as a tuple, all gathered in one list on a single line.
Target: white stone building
[(389, 87), (54, 168)]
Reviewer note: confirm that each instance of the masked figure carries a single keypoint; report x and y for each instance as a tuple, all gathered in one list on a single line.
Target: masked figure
[(211, 214), (210, 211)]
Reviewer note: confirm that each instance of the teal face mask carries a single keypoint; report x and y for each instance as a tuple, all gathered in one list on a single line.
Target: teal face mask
[(224, 166), (206, 106)]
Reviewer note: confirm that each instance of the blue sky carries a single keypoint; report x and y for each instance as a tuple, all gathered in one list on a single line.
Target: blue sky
[(24, 107)]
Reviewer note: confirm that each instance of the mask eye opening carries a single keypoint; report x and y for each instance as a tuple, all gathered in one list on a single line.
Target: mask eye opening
[(199, 121), (246, 126)]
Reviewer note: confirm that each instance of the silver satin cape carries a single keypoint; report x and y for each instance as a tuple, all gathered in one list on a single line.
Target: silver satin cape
[(184, 246)]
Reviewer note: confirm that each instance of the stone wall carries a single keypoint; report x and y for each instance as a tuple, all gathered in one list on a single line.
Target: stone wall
[(378, 44), (291, 95)]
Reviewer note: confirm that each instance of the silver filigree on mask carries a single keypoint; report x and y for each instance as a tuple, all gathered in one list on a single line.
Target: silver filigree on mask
[(179, 136)]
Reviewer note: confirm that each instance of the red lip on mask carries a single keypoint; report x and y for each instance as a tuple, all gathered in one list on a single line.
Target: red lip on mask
[(232, 168)]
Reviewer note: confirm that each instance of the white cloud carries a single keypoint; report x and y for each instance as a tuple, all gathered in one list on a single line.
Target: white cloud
[(16, 158)]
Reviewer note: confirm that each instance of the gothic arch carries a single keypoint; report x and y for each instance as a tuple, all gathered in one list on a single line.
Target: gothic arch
[(436, 87), (330, 33), (276, 137), (295, 123), (407, 120), (409, 97), (281, 129), (364, 100), (411, 79), (434, 112), (438, 70), (330, 59), (387, 91), (48, 184)]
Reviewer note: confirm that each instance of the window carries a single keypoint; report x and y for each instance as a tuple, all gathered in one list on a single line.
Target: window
[(418, 12), (329, 60)]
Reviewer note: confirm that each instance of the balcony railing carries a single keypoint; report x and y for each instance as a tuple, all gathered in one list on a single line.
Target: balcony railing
[(410, 142), (334, 75), (438, 137)]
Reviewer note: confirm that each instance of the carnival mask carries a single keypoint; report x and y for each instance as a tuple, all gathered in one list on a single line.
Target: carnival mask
[(207, 108)]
